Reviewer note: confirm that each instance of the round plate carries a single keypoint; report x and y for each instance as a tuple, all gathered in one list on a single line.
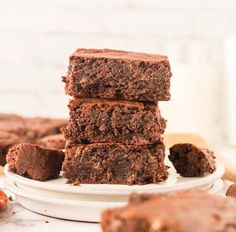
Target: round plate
[(89, 211), (174, 183)]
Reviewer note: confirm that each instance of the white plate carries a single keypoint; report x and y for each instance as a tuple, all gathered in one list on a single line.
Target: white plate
[(174, 183), (89, 211)]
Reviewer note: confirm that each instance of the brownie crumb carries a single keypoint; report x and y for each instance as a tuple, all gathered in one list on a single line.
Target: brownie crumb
[(192, 161), (231, 191)]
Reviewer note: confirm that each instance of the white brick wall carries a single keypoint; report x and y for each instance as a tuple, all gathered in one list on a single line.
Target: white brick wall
[(37, 36)]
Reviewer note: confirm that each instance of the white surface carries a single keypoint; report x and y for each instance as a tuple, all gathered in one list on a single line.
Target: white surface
[(174, 183)]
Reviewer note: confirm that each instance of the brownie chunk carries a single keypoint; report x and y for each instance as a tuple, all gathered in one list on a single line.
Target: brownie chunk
[(52, 141), (114, 121), (192, 161), (104, 73), (112, 163), (187, 211), (7, 140), (231, 190), (35, 162)]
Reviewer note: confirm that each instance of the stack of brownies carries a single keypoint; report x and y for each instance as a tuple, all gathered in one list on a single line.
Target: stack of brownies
[(114, 134)]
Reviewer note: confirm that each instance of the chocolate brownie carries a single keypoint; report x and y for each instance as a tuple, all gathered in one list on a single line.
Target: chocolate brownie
[(112, 163), (192, 161), (35, 162), (39, 127), (187, 211), (7, 140), (52, 141), (105, 73), (114, 121), (231, 190)]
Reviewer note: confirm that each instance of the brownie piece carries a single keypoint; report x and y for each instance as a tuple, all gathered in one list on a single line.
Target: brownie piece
[(114, 121), (52, 141), (187, 211), (105, 73), (192, 161), (113, 163), (39, 127), (35, 162), (7, 140), (231, 190)]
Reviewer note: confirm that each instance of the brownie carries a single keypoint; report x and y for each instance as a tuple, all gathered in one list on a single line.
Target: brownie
[(114, 121), (35, 162), (113, 163), (186, 211), (192, 161), (231, 190), (7, 140), (39, 127), (52, 141), (105, 73)]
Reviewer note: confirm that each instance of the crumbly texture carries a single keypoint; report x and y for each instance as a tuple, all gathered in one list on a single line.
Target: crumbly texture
[(52, 141), (35, 162), (192, 161), (107, 163), (114, 121), (231, 191), (7, 140), (105, 73), (187, 211)]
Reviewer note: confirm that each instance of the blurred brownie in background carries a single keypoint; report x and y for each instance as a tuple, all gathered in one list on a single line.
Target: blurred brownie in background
[(52, 141), (15, 129)]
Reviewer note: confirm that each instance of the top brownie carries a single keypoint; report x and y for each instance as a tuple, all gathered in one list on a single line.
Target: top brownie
[(105, 73)]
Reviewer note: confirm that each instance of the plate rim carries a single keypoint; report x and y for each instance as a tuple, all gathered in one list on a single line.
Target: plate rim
[(84, 189)]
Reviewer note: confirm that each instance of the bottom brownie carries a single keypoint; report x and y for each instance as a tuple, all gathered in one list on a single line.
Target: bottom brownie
[(112, 163), (35, 162), (189, 211)]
